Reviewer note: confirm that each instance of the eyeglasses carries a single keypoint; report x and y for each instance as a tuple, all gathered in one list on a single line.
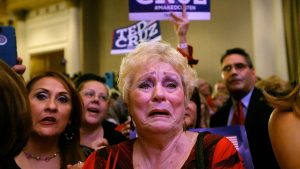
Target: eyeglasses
[(237, 66), (92, 94)]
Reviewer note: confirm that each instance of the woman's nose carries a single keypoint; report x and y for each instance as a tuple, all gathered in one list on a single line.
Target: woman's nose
[(158, 93), (51, 105), (95, 99)]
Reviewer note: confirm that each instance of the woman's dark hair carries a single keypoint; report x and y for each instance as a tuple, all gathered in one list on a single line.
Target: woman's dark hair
[(69, 148), (88, 77), (15, 116), (196, 99)]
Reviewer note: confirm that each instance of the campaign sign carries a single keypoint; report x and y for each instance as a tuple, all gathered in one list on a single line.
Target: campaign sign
[(238, 136), (126, 39), (161, 9)]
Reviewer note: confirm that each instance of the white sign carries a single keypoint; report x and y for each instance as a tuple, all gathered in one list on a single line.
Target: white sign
[(161, 9), (126, 39)]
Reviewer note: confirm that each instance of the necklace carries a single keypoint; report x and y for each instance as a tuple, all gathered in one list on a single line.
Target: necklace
[(28, 155)]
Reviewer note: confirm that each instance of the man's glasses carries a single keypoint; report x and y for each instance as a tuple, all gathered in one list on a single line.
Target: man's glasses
[(236, 66)]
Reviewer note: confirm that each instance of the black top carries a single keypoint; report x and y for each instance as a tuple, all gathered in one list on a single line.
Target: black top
[(9, 163), (110, 134), (113, 137)]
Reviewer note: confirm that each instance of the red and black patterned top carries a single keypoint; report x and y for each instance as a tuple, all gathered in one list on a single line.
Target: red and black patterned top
[(218, 153)]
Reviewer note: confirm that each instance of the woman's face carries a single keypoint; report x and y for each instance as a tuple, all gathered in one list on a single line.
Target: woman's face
[(51, 107), (156, 98), (95, 99), (190, 117), (204, 88)]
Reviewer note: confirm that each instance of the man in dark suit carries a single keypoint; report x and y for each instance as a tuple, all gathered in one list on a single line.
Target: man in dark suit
[(240, 77)]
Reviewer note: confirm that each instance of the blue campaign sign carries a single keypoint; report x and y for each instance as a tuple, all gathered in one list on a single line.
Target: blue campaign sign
[(238, 136), (127, 38), (161, 9)]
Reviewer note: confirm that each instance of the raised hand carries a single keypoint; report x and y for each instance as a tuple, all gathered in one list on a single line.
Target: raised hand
[(181, 24)]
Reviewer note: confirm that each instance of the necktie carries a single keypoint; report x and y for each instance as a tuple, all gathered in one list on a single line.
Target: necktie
[(238, 115)]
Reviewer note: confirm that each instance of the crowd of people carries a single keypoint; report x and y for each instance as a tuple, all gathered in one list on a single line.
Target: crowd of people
[(53, 121)]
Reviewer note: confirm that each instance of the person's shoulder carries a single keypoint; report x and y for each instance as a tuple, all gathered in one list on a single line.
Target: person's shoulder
[(284, 135), (257, 95), (259, 100), (225, 107), (284, 120), (220, 117), (281, 115)]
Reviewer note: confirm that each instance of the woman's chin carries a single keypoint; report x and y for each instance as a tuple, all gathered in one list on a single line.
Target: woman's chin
[(160, 128), (92, 120)]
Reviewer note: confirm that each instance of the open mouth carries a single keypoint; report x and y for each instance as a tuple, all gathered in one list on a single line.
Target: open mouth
[(93, 110), (52, 119), (159, 113), (48, 120)]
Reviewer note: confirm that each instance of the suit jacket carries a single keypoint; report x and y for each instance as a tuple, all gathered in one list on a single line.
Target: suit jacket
[(256, 124)]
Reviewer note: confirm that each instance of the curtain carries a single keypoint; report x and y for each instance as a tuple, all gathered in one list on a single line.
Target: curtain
[(291, 15)]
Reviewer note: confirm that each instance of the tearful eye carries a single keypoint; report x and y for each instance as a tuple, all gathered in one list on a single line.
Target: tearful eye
[(145, 85), (63, 99), (41, 96), (171, 85)]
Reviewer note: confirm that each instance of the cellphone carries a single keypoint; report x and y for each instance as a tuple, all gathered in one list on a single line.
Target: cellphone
[(8, 47)]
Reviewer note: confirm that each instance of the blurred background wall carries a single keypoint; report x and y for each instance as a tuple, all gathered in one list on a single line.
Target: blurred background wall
[(76, 35)]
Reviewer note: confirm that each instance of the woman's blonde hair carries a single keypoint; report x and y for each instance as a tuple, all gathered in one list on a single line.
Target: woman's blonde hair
[(155, 52), (287, 102)]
